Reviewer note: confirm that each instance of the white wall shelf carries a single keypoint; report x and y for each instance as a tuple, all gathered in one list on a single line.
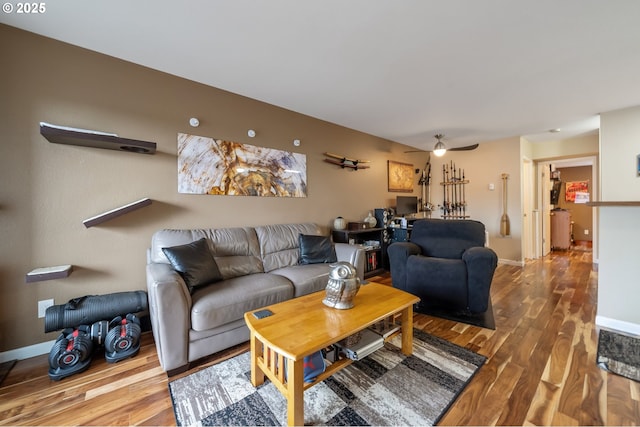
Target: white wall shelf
[(48, 273), (114, 213), (598, 204)]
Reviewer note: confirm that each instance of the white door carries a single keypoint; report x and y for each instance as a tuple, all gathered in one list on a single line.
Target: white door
[(544, 204), (546, 211), (527, 210)]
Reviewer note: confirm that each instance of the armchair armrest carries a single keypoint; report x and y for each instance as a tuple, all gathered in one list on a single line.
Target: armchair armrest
[(481, 264), (170, 312), (351, 254), (399, 253)]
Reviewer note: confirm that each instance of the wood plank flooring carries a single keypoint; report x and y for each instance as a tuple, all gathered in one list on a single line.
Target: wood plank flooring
[(541, 368)]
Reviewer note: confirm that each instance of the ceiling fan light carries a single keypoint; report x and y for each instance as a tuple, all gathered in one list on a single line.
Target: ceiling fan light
[(439, 150)]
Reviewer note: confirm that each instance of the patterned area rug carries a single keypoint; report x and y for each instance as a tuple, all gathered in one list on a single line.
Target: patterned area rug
[(5, 367), (619, 354), (483, 320), (386, 388)]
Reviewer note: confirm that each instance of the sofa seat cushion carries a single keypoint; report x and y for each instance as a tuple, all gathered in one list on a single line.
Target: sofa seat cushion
[(228, 300), (446, 278), (306, 278)]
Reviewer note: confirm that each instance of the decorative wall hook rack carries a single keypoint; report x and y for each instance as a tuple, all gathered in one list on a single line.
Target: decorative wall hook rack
[(346, 162)]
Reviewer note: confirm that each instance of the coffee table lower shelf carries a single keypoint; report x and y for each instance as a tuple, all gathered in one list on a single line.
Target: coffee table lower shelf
[(269, 363), (278, 376), (277, 354)]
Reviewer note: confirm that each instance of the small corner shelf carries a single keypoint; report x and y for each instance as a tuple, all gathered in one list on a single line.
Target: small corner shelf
[(597, 204), (114, 213), (48, 273), (87, 138)]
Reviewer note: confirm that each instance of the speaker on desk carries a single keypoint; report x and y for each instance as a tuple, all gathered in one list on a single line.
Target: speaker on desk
[(383, 217)]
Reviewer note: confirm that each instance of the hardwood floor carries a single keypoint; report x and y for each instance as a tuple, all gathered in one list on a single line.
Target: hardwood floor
[(541, 368)]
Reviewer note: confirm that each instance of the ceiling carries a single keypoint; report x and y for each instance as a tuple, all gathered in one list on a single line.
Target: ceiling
[(474, 70)]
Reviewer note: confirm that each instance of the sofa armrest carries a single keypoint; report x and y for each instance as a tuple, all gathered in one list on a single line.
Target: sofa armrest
[(352, 254), (399, 253), (481, 263), (170, 312)]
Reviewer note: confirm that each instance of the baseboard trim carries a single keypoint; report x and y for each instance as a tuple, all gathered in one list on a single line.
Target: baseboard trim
[(27, 352), (618, 325), (511, 262)]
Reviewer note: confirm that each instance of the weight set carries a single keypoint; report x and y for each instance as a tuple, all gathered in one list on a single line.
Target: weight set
[(74, 347)]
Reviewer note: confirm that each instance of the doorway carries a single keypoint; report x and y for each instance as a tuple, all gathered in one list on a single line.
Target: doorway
[(542, 226)]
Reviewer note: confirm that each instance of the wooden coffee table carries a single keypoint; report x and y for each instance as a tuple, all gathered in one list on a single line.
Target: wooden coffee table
[(302, 326)]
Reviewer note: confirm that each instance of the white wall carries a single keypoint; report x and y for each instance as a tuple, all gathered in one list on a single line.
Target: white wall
[(618, 284)]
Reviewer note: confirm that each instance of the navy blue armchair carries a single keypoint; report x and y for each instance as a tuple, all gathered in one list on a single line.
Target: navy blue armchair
[(446, 264)]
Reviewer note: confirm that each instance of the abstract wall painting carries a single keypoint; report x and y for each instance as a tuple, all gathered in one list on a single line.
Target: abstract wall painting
[(214, 166)]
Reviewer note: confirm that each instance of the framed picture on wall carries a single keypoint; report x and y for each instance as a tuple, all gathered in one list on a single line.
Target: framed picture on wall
[(575, 187), (400, 177)]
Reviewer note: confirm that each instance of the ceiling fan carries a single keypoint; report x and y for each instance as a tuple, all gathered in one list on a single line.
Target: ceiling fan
[(440, 149)]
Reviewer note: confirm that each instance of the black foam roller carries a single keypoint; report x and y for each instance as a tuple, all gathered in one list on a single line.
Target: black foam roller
[(93, 308)]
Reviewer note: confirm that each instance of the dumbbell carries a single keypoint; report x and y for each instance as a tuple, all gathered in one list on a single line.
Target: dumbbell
[(123, 338), (71, 352)]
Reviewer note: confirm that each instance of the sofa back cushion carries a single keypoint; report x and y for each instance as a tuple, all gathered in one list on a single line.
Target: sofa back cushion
[(444, 238), (279, 245), (235, 250)]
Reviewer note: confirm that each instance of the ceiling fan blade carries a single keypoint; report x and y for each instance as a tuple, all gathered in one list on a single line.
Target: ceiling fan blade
[(466, 148)]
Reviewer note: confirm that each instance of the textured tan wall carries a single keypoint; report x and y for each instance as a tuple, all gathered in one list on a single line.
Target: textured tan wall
[(49, 189), (482, 167)]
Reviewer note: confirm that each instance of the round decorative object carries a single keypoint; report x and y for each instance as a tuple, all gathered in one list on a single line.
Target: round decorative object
[(339, 223), (342, 287), (370, 220)]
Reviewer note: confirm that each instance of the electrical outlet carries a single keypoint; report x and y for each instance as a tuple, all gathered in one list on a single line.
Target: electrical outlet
[(42, 307), (586, 232)]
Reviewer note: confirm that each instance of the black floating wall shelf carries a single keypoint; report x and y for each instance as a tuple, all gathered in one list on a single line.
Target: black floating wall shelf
[(99, 219), (48, 273), (94, 139)]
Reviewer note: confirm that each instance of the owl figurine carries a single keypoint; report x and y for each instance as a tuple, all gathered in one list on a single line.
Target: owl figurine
[(342, 287)]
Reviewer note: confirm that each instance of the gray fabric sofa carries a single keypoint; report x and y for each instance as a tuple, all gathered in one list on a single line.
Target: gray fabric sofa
[(259, 266)]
